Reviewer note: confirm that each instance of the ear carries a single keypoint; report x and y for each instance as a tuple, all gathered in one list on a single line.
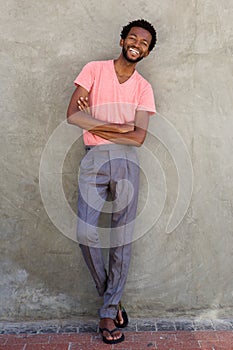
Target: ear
[(147, 53), (121, 42)]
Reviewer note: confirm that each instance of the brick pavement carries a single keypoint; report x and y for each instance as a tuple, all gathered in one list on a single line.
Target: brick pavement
[(143, 334)]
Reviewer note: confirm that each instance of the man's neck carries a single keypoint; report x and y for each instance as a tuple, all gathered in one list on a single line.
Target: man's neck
[(123, 67)]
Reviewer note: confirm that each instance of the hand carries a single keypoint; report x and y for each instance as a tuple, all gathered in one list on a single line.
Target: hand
[(83, 104)]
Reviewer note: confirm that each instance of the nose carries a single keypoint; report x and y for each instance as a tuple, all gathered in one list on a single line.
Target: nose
[(137, 44)]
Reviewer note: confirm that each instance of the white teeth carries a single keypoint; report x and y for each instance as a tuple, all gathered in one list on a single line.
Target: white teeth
[(134, 51)]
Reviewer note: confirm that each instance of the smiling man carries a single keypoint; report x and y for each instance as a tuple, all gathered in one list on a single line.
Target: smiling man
[(112, 103)]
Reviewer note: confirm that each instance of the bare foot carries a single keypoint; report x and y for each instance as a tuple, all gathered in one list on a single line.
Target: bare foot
[(110, 325), (119, 318)]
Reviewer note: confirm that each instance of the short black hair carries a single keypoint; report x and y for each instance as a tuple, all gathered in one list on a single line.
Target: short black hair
[(142, 23)]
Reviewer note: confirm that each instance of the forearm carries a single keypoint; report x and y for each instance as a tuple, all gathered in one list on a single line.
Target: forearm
[(132, 138), (78, 114), (87, 122)]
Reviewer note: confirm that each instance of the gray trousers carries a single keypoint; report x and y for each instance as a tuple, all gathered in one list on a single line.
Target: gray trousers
[(108, 169)]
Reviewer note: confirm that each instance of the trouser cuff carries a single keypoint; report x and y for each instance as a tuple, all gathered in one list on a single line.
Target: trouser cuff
[(110, 312)]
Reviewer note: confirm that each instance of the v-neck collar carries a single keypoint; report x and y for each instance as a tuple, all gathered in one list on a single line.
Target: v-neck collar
[(116, 78)]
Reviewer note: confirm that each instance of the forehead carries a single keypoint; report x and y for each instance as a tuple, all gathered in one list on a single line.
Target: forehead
[(141, 32)]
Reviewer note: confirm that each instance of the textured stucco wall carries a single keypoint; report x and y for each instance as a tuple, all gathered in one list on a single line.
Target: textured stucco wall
[(43, 47)]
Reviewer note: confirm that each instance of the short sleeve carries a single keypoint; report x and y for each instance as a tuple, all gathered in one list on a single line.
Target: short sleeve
[(147, 101), (86, 77)]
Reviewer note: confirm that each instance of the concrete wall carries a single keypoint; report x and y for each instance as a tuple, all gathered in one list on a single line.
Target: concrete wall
[(188, 271)]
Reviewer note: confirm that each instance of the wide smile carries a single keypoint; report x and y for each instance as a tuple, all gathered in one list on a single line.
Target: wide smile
[(134, 52)]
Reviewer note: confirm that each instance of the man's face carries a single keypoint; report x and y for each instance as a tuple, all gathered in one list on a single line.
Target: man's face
[(136, 45)]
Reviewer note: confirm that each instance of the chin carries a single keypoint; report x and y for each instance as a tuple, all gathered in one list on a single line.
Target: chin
[(134, 60), (129, 59)]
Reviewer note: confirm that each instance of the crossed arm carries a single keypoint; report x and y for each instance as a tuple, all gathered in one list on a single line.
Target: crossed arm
[(127, 134)]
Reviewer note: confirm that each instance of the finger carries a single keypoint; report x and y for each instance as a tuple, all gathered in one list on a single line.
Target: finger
[(83, 101), (80, 105)]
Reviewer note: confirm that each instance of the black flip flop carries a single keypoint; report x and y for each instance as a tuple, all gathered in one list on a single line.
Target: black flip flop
[(111, 341), (124, 316)]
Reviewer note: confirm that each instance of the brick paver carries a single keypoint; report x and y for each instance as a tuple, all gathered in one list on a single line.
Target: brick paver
[(159, 340), (162, 334)]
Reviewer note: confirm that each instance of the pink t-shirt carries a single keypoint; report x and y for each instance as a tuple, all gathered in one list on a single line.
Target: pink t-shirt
[(111, 101)]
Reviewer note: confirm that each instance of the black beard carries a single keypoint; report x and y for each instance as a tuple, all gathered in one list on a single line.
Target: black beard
[(124, 52)]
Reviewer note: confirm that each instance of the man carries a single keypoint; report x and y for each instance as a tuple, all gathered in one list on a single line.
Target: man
[(112, 104)]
